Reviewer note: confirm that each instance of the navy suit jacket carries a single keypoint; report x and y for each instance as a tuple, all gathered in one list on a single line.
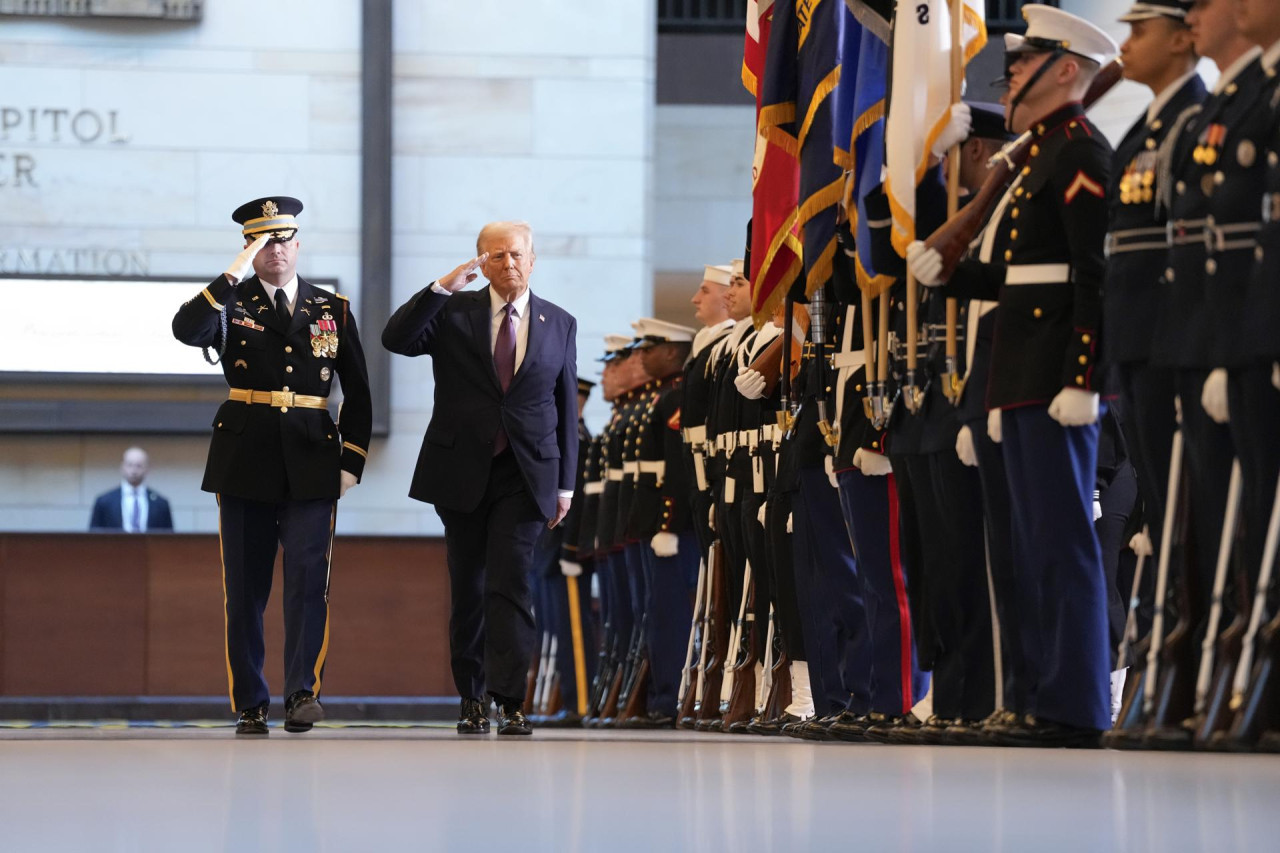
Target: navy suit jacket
[(106, 512), (539, 410)]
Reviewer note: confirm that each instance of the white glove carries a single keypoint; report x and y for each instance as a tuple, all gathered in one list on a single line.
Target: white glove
[(1097, 508), (665, 544), (345, 482), (570, 569), (872, 464), (925, 263), (1214, 396), (711, 517), (789, 517), (994, 422), (750, 384), (965, 449), (760, 516), (957, 130), (1141, 545), (1275, 375), (1073, 407), (242, 266), (829, 465)]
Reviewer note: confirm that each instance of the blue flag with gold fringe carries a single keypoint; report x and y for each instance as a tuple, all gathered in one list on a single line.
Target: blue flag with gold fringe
[(821, 178)]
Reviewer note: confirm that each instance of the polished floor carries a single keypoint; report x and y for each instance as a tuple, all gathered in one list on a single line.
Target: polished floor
[(116, 788)]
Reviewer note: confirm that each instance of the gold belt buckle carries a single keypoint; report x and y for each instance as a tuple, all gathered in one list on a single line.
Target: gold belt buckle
[(281, 398)]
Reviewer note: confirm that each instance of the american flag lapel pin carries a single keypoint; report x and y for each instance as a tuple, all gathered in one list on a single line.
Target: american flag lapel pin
[(542, 319)]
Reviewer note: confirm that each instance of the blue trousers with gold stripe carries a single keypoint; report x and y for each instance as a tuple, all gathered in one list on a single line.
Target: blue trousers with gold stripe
[(250, 533)]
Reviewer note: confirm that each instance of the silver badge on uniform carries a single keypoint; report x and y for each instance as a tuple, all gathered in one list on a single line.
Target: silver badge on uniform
[(324, 374), (1246, 153)]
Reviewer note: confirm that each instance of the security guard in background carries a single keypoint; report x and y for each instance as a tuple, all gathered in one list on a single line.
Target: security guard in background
[(1043, 382), (277, 461)]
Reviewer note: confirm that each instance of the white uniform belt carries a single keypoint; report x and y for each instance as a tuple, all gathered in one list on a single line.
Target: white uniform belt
[(852, 360), (614, 474), (1270, 207), (593, 488), (695, 434), (631, 468), (655, 466), (1230, 237), (771, 432), (1038, 274), (745, 436), (1184, 232)]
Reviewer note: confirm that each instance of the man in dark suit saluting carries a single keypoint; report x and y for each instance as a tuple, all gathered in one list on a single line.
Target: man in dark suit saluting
[(499, 458)]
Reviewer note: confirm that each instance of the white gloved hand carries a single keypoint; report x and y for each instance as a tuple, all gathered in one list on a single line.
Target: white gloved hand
[(789, 517), (872, 464), (965, 449), (570, 569), (1214, 396), (1141, 545), (1073, 407), (995, 432), (665, 544), (711, 517), (1275, 375), (750, 384), (925, 263), (829, 465), (1097, 509), (762, 514), (957, 130), (345, 481), (242, 266)]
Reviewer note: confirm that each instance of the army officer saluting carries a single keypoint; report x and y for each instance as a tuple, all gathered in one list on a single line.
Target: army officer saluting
[(277, 461)]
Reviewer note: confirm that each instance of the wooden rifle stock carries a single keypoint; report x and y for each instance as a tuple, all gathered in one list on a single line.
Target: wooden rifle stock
[(742, 701), (952, 239), (716, 638), (769, 362)]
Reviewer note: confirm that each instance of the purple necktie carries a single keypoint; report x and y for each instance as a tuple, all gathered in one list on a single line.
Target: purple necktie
[(136, 513), (504, 362)]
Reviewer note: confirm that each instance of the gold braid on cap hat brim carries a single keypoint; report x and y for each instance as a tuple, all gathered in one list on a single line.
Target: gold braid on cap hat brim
[(265, 224)]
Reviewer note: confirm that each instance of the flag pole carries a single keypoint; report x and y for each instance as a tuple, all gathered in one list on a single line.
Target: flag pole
[(951, 384)]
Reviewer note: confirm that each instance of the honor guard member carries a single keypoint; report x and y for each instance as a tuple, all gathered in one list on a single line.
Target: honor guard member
[(568, 590), (661, 519), (1043, 383), (1205, 148), (277, 462), (1158, 54), (1250, 355)]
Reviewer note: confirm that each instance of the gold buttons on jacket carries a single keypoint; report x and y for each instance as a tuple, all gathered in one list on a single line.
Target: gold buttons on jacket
[(1026, 170), (1079, 380), (288, 349), (1013, 214), (1085, 338), (1008, 254), (289, 369), (1035, 150), (1084, 359), (1168, 274), (1211, 266), (1038, 313), (1013, 235)]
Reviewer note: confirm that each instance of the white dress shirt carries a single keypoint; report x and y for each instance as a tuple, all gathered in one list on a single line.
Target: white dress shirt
[(290, 289), (127, 497)]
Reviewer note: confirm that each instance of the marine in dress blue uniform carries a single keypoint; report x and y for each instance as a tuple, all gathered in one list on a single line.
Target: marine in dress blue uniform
[(277, 461)]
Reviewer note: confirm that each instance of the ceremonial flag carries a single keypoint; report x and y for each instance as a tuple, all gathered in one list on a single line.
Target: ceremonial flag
[(821, 178), (859, 125), (768, 72), (920, 99)]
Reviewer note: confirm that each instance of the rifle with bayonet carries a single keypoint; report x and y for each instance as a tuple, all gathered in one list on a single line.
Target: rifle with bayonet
[(741, 704), (715, 639)]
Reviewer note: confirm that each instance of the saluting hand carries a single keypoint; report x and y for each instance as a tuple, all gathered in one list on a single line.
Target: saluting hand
[(462, 275), (243, 264)]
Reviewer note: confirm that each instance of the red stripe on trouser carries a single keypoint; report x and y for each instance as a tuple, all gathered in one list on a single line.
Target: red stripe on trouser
[(900, 589)]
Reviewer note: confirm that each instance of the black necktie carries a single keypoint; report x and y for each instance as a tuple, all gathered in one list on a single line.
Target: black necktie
[(282, 306)]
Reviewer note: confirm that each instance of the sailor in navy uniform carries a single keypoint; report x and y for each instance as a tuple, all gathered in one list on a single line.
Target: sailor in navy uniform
[(1043, 381), (278, 462)]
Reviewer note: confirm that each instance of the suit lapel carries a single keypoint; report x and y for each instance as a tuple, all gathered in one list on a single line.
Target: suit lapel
[(537, 331), (300, 317), (481, 321)]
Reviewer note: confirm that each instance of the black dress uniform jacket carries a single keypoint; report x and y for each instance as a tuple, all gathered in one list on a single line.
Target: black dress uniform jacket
[(277, 453), (1260, 341), (1184, 327), (1137, 245), (1049, 280)]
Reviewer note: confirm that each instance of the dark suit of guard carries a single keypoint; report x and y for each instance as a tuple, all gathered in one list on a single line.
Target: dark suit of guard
[(493, 505), (275, 461), (1048, 284), (108, 512)]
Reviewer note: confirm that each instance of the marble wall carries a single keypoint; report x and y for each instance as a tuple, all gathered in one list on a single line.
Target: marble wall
[(535, 111)]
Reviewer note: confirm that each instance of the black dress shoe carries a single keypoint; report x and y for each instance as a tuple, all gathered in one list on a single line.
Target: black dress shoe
[(896, 730), (849, 727), (1048, 734), (512, 721), (563, 720), (301, 711), (473, 719), (964, 733), (650, 720), (813, 729), (771, 728), (253, 721)]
